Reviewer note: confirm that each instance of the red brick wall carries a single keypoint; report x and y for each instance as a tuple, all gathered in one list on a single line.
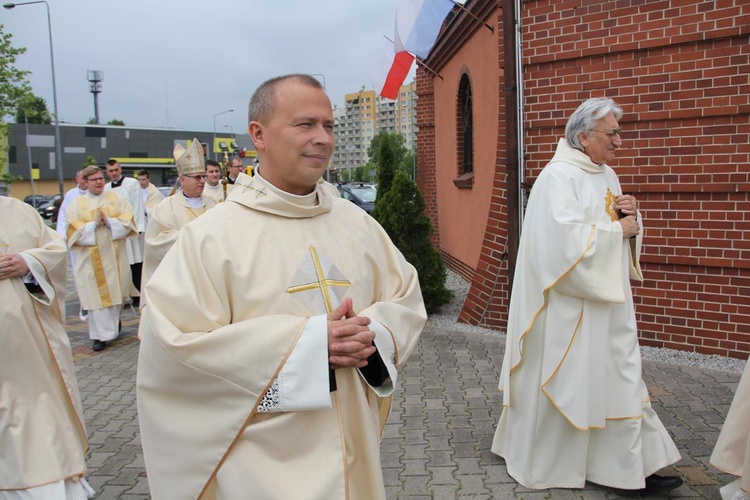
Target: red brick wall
[(680, 70), (426, 149)]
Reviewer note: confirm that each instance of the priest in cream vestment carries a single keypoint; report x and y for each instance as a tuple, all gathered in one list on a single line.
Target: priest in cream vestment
[(732, 451), (99, 223), (42, 435), (575, 405), (239, 394), (175, 211)]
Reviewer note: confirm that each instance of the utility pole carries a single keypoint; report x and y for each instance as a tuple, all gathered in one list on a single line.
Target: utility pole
[(95, 79)]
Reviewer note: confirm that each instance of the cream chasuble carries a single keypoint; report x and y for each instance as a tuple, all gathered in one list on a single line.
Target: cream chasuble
[(102, 272), (233, 388), (151, 197), (131, 191), (732, 451), (215, 192), (575, 405), (42, 435), (164, 225)]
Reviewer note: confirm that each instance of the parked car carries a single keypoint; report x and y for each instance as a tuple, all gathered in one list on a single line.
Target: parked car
[(165, 190), (48, 210), (37, 200), (362, 195)]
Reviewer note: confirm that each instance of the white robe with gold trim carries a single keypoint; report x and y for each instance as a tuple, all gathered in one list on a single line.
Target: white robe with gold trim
[(233, 360), (215, 192), (164, 226), (732, 451), (575, 405), (102, 272), (42, 434)]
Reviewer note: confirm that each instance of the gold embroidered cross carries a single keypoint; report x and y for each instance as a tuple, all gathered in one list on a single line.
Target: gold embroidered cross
[(315, 279)]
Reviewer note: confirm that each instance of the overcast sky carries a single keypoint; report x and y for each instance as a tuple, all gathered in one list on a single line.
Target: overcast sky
[(176, 63)]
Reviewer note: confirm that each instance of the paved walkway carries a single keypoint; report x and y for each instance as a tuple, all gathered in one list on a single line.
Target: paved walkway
[(437, 440)]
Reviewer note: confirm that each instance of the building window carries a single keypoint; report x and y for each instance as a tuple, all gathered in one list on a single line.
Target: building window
[(465, 135)]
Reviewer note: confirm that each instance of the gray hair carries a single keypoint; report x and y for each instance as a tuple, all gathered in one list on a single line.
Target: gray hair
[(263, 100), (584, 118)]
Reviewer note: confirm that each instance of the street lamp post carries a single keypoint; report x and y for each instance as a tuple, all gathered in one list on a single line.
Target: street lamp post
[(231, 129), (214, 144), (58, 145)]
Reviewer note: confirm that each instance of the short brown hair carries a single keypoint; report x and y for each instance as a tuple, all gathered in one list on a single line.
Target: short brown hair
[(90, 170), (264, 98)]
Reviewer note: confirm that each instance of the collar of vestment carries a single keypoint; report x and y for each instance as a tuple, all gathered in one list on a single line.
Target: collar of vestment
[(259, 194), (567, 154), (118, 182), (193, 202)]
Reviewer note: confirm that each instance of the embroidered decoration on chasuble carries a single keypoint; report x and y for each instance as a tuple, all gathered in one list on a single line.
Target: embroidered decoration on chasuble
[(319, 285), (609, 206)]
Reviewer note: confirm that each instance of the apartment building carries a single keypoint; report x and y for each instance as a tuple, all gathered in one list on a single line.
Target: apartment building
[(363, 115)]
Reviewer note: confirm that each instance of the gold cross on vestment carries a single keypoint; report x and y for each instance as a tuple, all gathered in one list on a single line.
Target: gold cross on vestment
[(312, 277)]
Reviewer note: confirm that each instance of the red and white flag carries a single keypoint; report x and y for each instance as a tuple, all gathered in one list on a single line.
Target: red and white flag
[(391, 69), (418, 24)]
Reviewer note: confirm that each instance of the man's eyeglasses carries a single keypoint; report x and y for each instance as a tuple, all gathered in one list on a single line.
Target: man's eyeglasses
[(616, 132), (198, 177), (95, 179)]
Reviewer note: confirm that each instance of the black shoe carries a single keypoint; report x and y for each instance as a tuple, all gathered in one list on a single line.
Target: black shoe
[(629, 493), (119, 326), (656, 483), (99, 345)]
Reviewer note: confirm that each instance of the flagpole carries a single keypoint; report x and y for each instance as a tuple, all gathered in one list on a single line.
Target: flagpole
[(420, 61), (472, 15)]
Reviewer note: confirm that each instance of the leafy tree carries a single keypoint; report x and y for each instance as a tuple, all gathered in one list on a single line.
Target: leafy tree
[(117, 122), (90, 160), (91, 121), (14, 88), (33, 109), (401, 213)]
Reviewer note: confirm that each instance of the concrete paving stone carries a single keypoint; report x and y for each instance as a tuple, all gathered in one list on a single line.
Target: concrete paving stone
[(708, 492), (462, 435), (394, 492), (127, 476), (437, 429), (392, 431), (464, 450), (138, 462), (468, 466), (501, 491), (443, 492), (434, 404), (441, 458), (497, 474), (141, 487), (478, 414), (561, 494), (390, 445), (414, 451), (416, 485), (695, 476), (112, 445), (435, 443), (472, 485), (113, 467), (697, 447), (435, 416), (413, 422), (415, 437), (392, 477), (390, 461), (442, 475), (413, 468), (112, 491)]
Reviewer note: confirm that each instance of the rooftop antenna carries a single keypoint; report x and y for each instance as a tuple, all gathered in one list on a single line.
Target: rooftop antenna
[(95, 79)]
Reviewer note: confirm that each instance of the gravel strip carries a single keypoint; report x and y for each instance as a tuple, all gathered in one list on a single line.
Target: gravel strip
[(447, 318)]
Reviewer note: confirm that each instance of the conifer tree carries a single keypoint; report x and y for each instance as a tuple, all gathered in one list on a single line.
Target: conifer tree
[(401, 213), (386, 171)]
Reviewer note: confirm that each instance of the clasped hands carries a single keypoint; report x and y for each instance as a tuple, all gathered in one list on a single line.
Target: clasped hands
[(350, 341), (12, 265), (101, 219), (627, 204)]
